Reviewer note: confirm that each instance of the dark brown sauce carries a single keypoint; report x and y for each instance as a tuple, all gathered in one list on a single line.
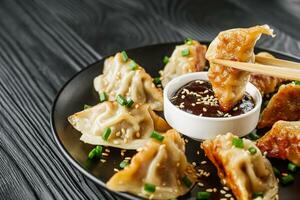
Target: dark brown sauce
[(197, 97)]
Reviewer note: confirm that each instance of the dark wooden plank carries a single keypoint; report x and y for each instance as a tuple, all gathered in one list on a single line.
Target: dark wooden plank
[(38, 53)]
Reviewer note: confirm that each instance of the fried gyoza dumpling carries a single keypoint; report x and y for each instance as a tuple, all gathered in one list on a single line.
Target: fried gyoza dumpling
[(265, 84), (161, 164), (244, 172), (284, 105), (236, 44), (186, 58), (129, 127), (123, 76), (282, 141)]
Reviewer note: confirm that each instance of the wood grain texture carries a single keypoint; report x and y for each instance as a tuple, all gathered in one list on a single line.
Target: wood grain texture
[(43, 43)]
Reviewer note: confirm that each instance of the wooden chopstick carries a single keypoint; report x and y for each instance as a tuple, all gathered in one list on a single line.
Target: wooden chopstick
[(271, 70), (276, 62)]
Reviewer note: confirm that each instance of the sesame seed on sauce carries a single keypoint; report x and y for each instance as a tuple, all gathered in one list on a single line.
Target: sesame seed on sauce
[(197, 97), (200, 184)]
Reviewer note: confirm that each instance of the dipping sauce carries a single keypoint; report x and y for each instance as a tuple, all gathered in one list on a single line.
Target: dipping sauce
[(197, 97)]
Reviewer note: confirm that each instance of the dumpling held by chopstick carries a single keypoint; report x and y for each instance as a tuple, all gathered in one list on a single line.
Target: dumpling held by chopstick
[(235, 44)]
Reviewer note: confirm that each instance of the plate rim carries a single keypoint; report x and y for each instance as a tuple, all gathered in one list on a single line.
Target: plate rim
[(69, 157)]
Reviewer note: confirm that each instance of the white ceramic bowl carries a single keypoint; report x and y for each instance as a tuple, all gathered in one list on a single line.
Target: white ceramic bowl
[(201, 128)]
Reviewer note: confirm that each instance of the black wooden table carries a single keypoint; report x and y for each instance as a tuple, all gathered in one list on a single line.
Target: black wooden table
[(43, 43)]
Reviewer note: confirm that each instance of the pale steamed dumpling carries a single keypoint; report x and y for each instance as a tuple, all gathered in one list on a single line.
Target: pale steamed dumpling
[(130, 80), (162, 164), (179, 63), (130, 127)]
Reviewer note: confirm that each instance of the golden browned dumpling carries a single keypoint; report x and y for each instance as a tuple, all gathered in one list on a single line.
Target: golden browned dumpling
[(237, 45), (125, 77), (242, 167), (265, 84), (282, 141), (284, 105), (186, 58), (162, 165), (129, 128)]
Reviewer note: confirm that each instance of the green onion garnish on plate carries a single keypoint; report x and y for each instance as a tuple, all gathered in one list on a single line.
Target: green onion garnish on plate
[(106, 133), (185, 52), (157, 136), (95, 152), (238, 142), (121, 100), (133, 66), (297, 82), (188, 41), (252, 150), (202, 195), (102, 97), (86, 106), (292, 167), (165, 59), (130, 102), (186, 181), (150, 188), (124, 56), (285, 180), (156, 81), (123, 164)]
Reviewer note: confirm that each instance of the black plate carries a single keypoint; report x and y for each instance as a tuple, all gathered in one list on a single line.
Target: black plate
[(79, 91)]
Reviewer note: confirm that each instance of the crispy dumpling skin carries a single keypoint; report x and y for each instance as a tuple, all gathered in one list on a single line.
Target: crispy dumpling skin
[(163, 164), (238, 45), (130, 127), (242, 172), (265, 84), (284, 105), (119, 78), (282, 141), (179, 65)]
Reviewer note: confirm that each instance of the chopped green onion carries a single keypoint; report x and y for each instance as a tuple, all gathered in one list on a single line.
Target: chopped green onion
[(257, 194), (157, 136), (185, 52), (252, 150), (150, 188), (133, 65), (238, 142), (157, 81), (124, 56), (102, 97), (165, 59), (253, 135), (123, 164), (106, 133), (186, 181), (297, 82), (292, 167), (86, 106), (285, 180), (276, 172), (130, 102), (95, 152), (188, 41), (121, 100), (202, 195)]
